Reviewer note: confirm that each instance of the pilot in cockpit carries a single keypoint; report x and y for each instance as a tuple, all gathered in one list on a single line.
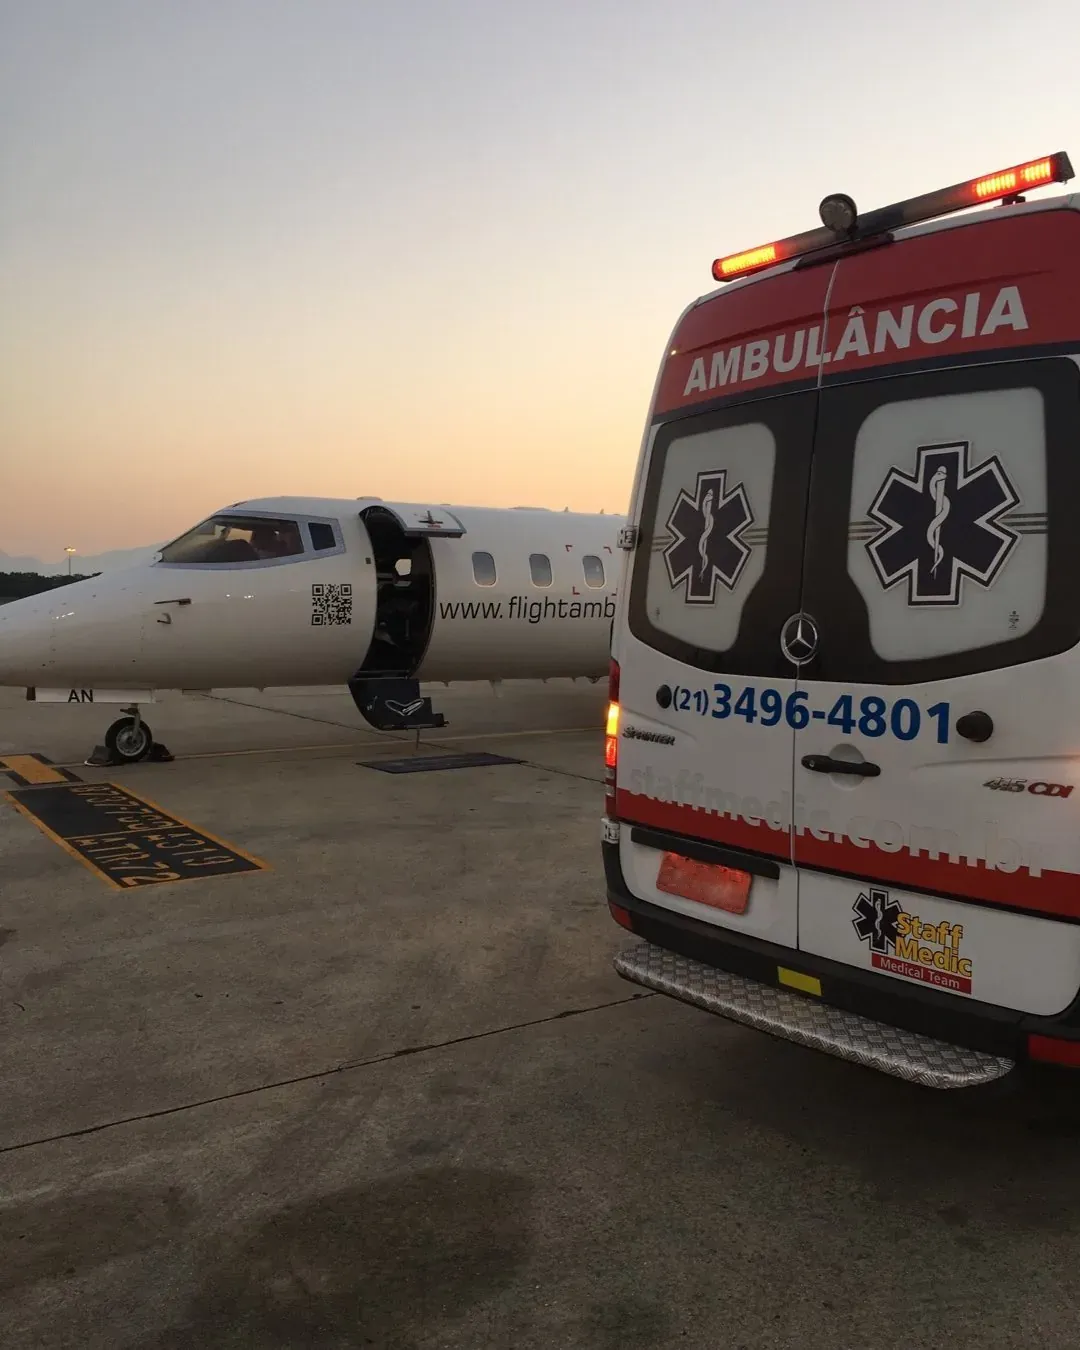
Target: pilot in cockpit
[(235, 539), (272, 540)]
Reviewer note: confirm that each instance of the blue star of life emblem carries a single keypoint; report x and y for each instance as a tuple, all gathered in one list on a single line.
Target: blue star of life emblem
[(941, 524), (706, 548)]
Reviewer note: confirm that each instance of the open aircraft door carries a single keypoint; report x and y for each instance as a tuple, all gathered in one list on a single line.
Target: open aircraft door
[(417, 520), (385, 688)]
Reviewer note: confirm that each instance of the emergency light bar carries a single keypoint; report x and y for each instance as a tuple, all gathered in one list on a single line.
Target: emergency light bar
[(844, 225)]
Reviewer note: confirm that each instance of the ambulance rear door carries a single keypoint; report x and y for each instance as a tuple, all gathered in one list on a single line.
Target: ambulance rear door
[(704, 752), (937, 754)]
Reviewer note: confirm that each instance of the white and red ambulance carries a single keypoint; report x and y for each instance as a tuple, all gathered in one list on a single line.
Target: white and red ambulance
[(844, 736)]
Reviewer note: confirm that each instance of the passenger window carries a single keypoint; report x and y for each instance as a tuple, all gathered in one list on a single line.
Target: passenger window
[(540, 569), (236, 539), (483, 569), (322, 536), (594, 571)]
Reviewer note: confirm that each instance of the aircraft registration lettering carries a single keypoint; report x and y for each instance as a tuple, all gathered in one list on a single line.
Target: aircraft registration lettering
[(93, 695)]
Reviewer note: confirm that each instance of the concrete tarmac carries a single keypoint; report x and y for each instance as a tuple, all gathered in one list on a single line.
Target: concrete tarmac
[(388, 1092)]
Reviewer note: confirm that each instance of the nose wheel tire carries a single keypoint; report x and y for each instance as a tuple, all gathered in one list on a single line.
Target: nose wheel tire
[(127, 741)]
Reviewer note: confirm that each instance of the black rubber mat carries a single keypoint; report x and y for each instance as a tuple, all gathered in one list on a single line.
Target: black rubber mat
[(127, 840), (429, 763)]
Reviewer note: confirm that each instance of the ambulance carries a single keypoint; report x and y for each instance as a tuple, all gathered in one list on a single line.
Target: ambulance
[(843, 739)]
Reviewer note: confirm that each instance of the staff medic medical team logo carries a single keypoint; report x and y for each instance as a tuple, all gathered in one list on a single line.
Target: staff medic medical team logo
[(942, 524), (706, 547), (905, 944)]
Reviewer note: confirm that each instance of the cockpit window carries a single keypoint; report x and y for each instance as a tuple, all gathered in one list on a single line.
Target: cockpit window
[(322, 535), (235, 539)]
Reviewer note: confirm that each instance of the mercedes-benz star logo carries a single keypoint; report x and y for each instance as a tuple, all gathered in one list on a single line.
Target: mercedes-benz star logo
[(799, 639)]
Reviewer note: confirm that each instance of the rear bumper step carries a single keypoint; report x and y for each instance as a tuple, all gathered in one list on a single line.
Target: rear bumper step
[(807, 1021)]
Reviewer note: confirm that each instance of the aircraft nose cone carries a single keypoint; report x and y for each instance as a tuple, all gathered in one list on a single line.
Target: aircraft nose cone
[(26, 628), (80, 635)]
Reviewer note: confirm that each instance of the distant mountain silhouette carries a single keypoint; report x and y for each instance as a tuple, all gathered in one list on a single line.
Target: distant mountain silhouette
[(96, 562)]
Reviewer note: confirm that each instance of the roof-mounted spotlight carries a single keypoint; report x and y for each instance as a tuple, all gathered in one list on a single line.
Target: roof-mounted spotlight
[(838, 213)]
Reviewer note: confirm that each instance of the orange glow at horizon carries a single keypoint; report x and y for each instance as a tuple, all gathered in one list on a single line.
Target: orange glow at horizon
[(133, 441)]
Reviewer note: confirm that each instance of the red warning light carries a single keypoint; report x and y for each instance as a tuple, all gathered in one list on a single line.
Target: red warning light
[(849, 228), (1034, 174), (749, 261), (737, 265)]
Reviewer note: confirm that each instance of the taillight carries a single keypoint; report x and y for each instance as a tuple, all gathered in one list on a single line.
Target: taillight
[(611, 736), (621, 916), (611, 740), (1054, 1050)]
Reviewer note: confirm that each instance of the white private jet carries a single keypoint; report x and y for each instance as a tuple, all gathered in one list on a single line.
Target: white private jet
[(320, 591)]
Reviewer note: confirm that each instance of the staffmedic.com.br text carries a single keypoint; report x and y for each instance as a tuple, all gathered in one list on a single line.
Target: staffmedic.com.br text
[(979, 843)]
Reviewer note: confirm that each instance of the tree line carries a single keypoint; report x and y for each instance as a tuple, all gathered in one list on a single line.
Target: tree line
[(17, 585)]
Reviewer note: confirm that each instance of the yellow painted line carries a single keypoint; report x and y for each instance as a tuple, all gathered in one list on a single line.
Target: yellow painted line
[(380, 738), (795, 979), (271, 750), (32, 770), (598, 727)]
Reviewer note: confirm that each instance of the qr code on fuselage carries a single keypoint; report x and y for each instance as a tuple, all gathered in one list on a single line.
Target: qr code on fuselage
[(330, 603)]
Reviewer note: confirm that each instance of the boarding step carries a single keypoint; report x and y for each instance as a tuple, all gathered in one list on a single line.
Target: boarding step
[(394, 703), (807, 1021)]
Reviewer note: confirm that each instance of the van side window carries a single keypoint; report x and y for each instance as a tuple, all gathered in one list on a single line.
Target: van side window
[(322, 535), (594, 571), (540, 569), (483, 569)]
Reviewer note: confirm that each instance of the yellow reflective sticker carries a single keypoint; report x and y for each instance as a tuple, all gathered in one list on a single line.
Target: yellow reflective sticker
[(809, 984)]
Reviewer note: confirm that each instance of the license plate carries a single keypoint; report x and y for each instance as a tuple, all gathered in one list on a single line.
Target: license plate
[(711, 884)]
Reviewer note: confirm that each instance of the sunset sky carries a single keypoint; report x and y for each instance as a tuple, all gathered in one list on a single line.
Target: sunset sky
[(430, 249)]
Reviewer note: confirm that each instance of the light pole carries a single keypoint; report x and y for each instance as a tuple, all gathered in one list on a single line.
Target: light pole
[(69, 552)]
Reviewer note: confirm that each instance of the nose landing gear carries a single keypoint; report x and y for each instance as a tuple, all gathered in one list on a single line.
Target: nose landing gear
[(128, 741)]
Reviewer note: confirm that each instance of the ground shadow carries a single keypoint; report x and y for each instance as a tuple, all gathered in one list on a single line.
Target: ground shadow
[(378, 1265), (61, 1237)]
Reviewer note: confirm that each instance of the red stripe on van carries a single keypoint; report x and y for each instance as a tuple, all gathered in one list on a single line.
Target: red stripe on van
[(1043, 892), (700, 824)]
